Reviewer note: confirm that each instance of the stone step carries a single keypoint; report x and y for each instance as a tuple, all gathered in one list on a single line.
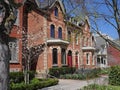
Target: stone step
[(41, 75)]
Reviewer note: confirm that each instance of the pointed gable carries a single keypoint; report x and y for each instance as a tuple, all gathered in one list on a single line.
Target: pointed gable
[(49, 4)]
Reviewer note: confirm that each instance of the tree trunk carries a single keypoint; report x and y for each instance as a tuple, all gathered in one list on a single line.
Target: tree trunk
[(4, 66)]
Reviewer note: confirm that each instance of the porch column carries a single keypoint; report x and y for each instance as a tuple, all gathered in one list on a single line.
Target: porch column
[(59, 57)]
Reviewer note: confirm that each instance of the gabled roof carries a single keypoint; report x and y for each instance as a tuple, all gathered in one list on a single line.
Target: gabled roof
[(48, 4)]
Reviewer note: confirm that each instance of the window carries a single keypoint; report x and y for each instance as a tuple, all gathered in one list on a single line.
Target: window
[(54, 56), (13, 45), (76, 39), (60, 33), (63, 56), (102, 61), (52, 31), (98, 60), (56, 11), (87, 57), (69, 36), (93, 59)]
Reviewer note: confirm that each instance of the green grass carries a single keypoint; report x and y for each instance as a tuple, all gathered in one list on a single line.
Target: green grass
[(100, 87)]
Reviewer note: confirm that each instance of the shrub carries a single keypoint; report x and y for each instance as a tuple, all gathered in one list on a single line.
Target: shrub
[(34, 84), (88, 74), (17, 77), (56, 71), (114, 75)]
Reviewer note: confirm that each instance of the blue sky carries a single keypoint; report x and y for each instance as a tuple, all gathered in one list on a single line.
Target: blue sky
[(103, 26)]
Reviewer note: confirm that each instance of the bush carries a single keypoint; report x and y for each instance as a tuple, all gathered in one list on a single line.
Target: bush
[(56, 71), (34, 84), (17, 77), (114, 75), (105, 71), (88, 74)]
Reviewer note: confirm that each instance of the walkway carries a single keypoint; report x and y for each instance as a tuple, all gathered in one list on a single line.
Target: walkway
[(65, 84)]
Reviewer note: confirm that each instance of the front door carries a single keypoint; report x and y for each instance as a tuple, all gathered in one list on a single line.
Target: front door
[(76, 61), (69, 58)]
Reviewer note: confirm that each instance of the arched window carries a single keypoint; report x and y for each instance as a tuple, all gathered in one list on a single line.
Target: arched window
[(54, 56), (52, 31), (56, 12), (60, 33)]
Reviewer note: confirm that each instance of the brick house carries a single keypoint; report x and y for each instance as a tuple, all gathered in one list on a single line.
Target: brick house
[(113, 55), (101, 51), (88, 46), (64, 43)]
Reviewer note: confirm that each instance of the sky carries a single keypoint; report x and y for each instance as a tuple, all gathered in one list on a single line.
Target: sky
[(103, 26)]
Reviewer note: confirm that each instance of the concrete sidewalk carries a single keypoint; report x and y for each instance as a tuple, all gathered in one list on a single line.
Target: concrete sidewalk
[(65, 84)]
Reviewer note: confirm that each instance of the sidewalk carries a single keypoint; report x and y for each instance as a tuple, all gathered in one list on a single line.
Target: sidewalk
[(65, 84)]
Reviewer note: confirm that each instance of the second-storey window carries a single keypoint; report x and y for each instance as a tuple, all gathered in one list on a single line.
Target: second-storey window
[(60, 33), (52, 31), (69, 36)]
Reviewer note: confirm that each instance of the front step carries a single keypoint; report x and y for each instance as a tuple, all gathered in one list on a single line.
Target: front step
[(41, 75)]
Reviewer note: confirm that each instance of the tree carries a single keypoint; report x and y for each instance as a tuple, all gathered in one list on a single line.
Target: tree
[(7, 19), (103, 10), (31, 51)]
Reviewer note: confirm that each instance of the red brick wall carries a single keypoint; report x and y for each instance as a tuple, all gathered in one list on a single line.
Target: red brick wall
[(113, 56)]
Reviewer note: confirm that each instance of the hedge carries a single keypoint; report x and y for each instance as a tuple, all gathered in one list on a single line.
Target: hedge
[(17, 77), (114, 76), (34, 84), (87, 74), (57, 71)]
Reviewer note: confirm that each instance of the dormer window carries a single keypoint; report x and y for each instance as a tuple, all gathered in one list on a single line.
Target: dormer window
[(56, 12)]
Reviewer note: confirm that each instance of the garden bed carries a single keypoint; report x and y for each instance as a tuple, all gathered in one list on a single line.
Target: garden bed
[(34, 84)]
